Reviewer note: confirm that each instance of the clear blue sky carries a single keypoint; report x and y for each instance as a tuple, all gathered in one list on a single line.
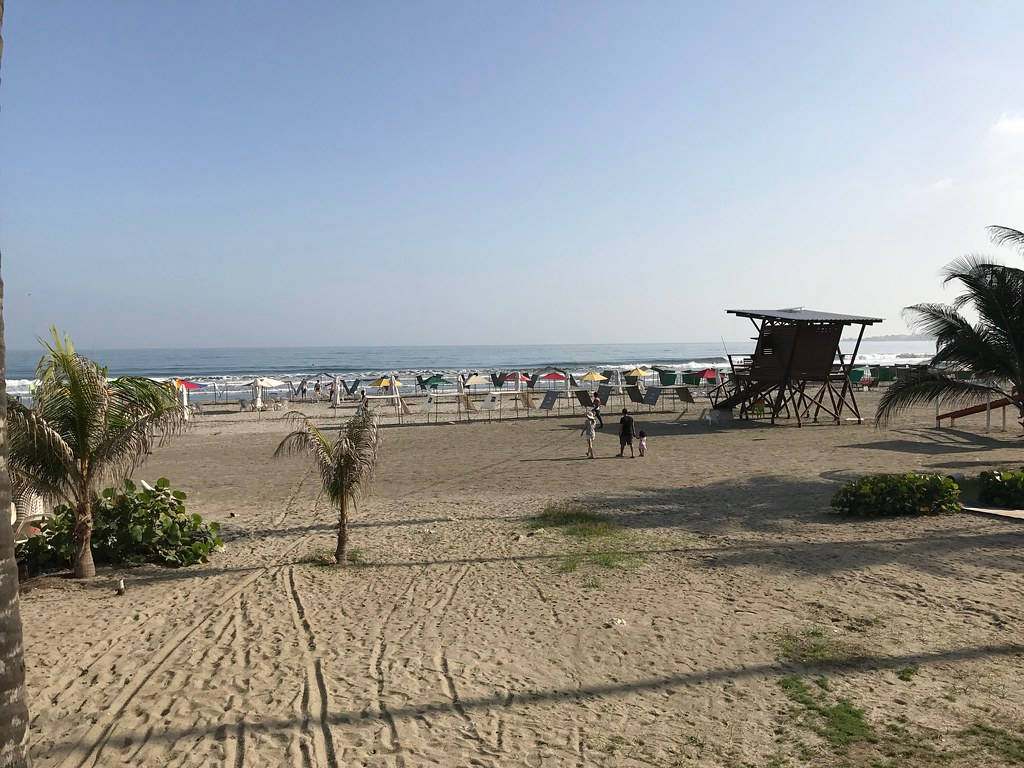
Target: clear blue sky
[(276, 173)]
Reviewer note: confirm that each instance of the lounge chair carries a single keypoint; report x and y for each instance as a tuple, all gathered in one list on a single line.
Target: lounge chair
[(27, 512), (585, 399)]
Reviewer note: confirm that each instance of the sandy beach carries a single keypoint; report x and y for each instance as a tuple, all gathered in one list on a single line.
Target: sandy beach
[(463, 637)]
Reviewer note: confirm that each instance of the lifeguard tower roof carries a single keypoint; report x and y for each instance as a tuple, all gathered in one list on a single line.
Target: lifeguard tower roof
[(804, 316)]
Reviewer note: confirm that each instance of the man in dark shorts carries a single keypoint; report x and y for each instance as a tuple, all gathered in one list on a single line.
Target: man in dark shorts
[(627, 431)]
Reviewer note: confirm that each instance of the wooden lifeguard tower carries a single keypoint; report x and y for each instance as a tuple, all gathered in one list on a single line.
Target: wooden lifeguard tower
[(796, 366)]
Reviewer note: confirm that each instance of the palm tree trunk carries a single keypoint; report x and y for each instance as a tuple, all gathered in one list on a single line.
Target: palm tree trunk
[(339, 553), (13, 701), (85, 568)]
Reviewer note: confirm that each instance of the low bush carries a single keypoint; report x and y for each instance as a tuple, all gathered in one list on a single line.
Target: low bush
[(1002, 489), (130, 527), (904, 494)]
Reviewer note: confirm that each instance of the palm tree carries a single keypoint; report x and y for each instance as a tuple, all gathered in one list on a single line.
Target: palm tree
[(13, 701), (990, 350), (85, 430), (346, 467)]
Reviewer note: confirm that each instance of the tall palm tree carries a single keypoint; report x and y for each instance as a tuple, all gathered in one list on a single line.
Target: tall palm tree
[(990, 350), (13, 701), (83, 431), (346, 466)]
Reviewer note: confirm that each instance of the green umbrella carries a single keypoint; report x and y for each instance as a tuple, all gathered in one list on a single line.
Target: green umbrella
[(436, 379)]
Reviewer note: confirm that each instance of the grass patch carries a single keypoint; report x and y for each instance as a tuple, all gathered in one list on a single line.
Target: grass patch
[(623, 561), (325, 558), (355, 557), (997, 742), (839, 725), (570, 564), (321, 557), (907, 673), (576, 521), (810, 646)]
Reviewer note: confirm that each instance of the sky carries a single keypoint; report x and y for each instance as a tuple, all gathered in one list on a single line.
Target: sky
[(202, 174)]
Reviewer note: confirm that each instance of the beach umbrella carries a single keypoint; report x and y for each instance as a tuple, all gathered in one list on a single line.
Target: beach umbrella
[(385, 381), (594, 376), (553, 376), (259, 384), (436, 379), (709, 373), (476, 380), (186, 384), (638, 372)]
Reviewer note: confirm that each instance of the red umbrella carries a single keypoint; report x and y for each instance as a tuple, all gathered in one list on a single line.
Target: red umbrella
[(516, 376), (183, 383), (709, 373), (553, 376)]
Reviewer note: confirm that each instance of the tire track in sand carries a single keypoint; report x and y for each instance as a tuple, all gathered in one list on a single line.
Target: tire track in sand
[(87, 751), (380, 649), (314, 707)]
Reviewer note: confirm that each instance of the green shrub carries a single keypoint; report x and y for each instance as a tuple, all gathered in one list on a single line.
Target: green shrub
[(130, 527), (1002, 489), (905, 494)]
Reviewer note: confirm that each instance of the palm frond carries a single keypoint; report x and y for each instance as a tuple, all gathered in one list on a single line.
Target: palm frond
[(346, 466), (928, 387), (310, 440), (39, 453), (1007, 236)]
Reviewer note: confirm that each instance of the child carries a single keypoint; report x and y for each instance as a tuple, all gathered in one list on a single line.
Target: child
[(589, 433), (643, 443)]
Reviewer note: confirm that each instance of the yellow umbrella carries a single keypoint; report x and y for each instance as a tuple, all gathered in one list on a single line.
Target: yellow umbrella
[(594, 376), (384, 381), (639, 372)]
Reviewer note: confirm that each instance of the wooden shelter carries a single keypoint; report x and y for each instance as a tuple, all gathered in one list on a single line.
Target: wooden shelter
[(797, 366)]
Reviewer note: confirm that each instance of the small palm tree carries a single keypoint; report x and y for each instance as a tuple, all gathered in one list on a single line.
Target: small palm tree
[(82, 431), (990, 350), (346, 467)]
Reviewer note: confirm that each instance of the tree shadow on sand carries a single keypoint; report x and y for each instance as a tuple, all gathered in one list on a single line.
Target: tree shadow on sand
[(786, 524), (938, 442)]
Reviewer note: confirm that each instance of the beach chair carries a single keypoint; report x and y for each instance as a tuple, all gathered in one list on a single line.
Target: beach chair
[(550, 398), (684, 395), (585, 399), (635, 396), (604, 392), (27, 514)]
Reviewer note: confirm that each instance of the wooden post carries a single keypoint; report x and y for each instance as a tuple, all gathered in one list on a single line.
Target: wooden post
[(988, 412)]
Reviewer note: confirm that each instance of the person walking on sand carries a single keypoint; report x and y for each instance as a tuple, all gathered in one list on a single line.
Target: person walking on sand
[(643, 444), (589, 433), (597, 412), (627, 431)]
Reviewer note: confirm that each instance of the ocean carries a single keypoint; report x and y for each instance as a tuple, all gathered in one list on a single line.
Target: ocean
[(231, 368)]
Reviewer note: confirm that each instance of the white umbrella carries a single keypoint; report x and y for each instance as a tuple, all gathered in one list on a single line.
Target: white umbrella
[(184, 401), (258, 385)]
